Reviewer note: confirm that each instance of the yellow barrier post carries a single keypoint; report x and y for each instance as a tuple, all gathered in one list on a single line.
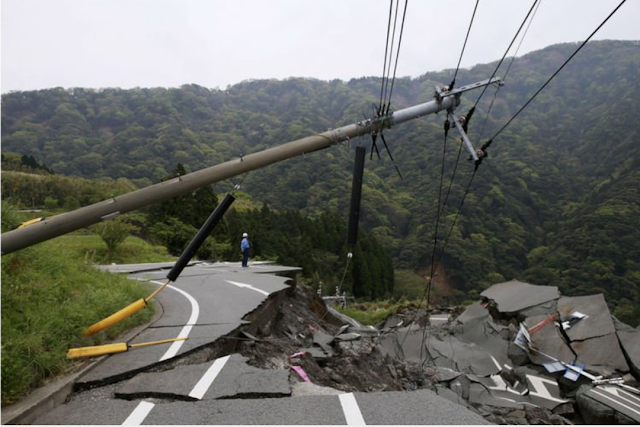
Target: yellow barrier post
[(99, 350), (122, 314)]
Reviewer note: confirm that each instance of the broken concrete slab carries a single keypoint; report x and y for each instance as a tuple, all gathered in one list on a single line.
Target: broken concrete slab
[(549, 341), (597, 324), (514, 296), (441, 374), (475, 312), (608, 405), (544, 309), (323, 341), (365, 330), (235, 380), (351, 336), (517, 356), (493, 338), (479, 394), (404, 344), (630, 344), (601, 354), (450, 352)]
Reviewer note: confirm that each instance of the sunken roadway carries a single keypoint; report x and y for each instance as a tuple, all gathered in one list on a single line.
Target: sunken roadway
[(203, 380)]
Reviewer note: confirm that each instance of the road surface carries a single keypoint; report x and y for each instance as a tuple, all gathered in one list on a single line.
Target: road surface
[(163, 385)]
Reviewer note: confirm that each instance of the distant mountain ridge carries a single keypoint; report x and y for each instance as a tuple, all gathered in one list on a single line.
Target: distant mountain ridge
[(555, 203)]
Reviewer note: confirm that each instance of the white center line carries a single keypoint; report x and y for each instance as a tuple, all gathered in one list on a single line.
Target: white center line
[(245, 285), (139, 414), (207, 379), (142, 410), (186, 330), (351, 410)]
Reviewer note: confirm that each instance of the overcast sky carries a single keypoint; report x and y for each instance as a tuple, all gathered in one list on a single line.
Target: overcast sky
[(215, 43)]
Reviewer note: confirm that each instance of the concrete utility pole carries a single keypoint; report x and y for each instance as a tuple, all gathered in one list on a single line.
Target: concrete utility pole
[(67, 222)]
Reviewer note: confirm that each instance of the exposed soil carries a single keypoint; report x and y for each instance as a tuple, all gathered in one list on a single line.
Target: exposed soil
[(354, 365)]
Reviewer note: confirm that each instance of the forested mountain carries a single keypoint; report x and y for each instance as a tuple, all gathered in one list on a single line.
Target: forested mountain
[(557, 201)]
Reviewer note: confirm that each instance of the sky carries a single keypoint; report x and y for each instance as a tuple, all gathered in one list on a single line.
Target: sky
[(216, 43)]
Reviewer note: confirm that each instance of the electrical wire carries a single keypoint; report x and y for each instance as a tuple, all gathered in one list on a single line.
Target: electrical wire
[(404, 14), (386, 49), (466, 192), (557, 71), (506, 73), (506, 51), (388, 70), (453, 82)]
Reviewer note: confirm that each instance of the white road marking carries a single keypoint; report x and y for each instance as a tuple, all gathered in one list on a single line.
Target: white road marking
[(615, 401), (207, 379), (142, 410), (186, 330), (620, 394), (351, 410), (495, 362), (540, 390), (245, 285), (139, 414)]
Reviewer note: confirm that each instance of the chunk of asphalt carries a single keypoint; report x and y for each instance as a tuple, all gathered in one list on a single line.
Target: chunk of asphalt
[(514, 296), (352, 336), (630, 343), (236, 380), (598, 324), (323, 340)]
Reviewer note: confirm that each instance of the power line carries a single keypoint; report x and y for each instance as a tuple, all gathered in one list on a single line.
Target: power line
[(453, 82), (504, 78), (388, 70), (386, 49), (506, 51), (556, 73), (404, 14)]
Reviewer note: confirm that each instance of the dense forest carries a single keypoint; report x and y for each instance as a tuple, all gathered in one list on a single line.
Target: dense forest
[(556, 203)]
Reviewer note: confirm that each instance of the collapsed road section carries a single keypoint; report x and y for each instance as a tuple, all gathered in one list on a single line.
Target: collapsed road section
[(524, 346), (258, 352), (290, 360)]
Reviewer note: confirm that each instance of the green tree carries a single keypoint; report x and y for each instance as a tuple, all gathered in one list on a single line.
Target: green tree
[(114, 232)]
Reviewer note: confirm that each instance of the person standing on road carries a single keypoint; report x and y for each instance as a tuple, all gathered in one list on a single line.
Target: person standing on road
[(244, 246)]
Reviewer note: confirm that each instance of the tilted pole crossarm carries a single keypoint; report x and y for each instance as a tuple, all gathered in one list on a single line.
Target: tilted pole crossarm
[(58, 225)]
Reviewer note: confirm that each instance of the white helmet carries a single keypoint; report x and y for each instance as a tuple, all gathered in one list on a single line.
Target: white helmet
[(245, 235)]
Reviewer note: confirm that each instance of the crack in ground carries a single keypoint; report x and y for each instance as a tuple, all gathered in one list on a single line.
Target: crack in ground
[(223, 346)]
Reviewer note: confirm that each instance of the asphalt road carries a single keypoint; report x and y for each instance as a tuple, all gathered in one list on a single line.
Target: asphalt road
[(206, 303)]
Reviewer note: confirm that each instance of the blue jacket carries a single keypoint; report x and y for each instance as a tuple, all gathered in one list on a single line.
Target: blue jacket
[(244, 244)]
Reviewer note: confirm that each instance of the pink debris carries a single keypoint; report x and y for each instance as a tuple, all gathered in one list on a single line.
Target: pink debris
[(298, 354), (301, 372), (313, 328)]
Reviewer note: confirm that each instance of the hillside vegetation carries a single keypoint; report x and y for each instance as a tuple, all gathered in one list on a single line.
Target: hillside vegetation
[(556, 203), (49, 296)]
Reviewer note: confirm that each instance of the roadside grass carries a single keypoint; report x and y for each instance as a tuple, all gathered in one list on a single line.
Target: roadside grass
[(49, 296), (92, 249), (374, 312)]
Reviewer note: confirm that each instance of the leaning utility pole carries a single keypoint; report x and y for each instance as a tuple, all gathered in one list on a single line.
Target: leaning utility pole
[(64, 223)]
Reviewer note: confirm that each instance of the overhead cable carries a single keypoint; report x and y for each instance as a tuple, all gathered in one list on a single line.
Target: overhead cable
[(388, 70), (404, 14), (507, 51), (506, 73), (556, 73), (386, 49), (453, 82)]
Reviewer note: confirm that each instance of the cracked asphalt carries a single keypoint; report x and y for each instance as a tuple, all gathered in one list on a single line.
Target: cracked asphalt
[(201, 381)]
